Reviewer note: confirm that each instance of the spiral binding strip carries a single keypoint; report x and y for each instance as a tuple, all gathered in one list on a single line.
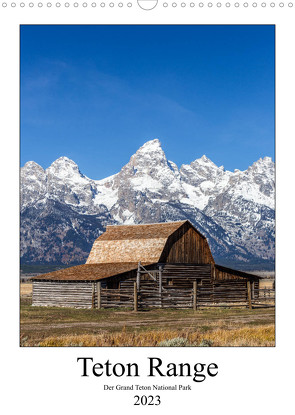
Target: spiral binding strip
[(148, 4)]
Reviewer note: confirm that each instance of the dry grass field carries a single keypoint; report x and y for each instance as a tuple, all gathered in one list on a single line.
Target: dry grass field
[(53, 326), (247, 336), (26, 289), (266, 283)]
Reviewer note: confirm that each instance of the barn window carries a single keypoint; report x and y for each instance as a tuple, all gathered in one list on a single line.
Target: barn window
[(113, 284)]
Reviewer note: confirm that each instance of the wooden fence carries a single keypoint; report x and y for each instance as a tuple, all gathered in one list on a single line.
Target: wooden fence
[(195, 297), (264, 297)]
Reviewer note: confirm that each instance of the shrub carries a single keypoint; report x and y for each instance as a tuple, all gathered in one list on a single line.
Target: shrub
[(206, 343), (176, 342)]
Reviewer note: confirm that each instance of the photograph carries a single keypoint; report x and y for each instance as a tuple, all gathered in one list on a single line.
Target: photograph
[(147, 185)]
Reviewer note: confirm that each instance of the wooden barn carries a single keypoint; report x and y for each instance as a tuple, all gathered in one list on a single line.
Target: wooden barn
[(153, 265)]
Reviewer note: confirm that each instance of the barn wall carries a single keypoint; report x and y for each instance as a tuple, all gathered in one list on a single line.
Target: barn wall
[(62, 294), (186, 245), (118, 280), (183, 275), (176, 275)]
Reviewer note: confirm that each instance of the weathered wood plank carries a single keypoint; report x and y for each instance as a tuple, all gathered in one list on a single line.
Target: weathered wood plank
[(135, 298), (249, 294)]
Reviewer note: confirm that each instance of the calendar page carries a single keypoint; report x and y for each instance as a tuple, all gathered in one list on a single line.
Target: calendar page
[(147, 179)]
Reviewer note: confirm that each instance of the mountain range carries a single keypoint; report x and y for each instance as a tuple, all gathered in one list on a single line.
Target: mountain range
[(63, 211)]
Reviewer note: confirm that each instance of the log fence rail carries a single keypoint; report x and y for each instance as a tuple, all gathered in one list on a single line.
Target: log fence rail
[(198, 294), (185, 298)]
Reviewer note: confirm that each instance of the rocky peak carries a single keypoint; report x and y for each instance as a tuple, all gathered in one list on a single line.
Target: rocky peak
[(149, 168), (31, 165), (200, 170), (204, 163), (32, 171), (150, 154), (262, 170), (151, 146), (33, 183), (64, 168), (262, 165), (262, 174)]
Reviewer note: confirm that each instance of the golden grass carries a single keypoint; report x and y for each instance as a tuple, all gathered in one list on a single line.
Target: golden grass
[(246, 336), (266, 283), (26, 288)]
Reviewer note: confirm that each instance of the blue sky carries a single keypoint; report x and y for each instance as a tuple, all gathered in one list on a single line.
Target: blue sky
[(97, 93)]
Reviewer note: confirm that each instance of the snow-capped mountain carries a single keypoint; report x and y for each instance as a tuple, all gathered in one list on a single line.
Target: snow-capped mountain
[(63, 211)]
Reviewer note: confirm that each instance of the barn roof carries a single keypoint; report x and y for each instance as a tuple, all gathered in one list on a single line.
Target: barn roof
[(89, 272), (133, 243), (237, 272), (145, 231), (118, 250)]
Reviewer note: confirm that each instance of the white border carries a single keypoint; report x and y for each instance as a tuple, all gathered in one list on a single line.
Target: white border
[(47, 381)]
